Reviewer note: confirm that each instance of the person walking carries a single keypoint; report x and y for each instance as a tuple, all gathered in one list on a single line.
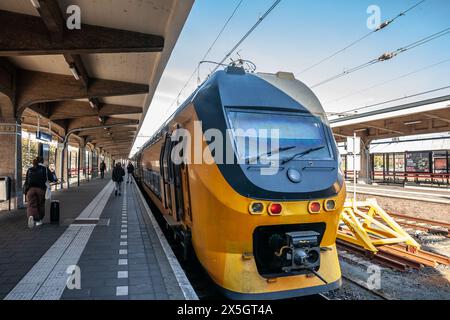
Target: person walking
[(102, 169), (37, 181), (117, 176), (130, 171)]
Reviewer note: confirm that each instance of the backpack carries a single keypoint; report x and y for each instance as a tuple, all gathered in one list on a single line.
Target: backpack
[(37, 177)]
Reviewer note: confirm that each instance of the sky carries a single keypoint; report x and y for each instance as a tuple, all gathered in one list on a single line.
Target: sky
[(299, 33)]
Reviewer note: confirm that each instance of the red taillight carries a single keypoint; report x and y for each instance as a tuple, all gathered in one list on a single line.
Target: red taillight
[(275, 208), (314, 207)]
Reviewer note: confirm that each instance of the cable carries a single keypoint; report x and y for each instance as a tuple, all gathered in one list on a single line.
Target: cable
[(206, 54), (249, 32), (397, 99), (422, 41), (223, 29), (318, 275), (386, 56), (261, 19), (389, 81), (380, 27)]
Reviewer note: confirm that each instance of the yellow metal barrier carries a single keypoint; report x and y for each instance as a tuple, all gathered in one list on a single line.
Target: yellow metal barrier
[(370, 226)]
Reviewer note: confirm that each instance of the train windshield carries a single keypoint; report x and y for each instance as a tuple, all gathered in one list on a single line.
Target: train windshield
[(258, 135)]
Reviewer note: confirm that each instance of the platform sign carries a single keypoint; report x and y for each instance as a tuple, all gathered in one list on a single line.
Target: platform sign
[(43, 136), (350, 162), (354, 142)]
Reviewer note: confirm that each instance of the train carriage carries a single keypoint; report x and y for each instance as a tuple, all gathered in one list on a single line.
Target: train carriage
[(258, 236)]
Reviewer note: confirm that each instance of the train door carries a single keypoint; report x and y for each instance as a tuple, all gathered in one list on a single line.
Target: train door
[(164, 162), (186, 193), (178, 189), (173, 181)]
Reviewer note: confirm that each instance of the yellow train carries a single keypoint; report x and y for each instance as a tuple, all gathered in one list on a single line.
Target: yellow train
[(262, 221)]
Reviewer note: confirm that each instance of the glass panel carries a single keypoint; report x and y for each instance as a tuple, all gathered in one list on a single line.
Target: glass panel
[(448, 161), (417, 162), (439, 162), (296, 132), (343, 163), (399, 163), (378, 162), (390, 162)]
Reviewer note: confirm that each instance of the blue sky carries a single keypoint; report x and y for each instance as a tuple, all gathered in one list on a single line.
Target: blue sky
[(299, 33)]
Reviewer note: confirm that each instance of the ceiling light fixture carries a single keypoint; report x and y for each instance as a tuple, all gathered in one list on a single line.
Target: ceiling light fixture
[(409, 123)]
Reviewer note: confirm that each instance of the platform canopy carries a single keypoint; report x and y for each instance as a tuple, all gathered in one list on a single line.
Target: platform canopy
[(421, 117), (96, 82)]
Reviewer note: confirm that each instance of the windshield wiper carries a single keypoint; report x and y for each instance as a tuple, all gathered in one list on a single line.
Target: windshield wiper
[(301, 154), (248, 160)]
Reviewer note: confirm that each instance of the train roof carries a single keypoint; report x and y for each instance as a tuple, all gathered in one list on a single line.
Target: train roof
[(281, 90)]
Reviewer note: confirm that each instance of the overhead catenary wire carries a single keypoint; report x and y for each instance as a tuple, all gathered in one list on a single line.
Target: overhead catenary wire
[(386, 56), (208, 51), (249, 32), (390, 80), (380, 27), (396, 99)]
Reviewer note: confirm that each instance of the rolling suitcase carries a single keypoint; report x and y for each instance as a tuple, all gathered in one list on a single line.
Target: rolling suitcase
[(54, 211)]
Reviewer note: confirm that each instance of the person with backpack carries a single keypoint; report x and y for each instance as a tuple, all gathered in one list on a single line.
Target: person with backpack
[(37, 181), (102, 169), (117, 176), (130, 171)]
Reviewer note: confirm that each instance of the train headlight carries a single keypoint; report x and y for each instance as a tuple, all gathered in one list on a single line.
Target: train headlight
[(330, 205), (256, 208), (294, 175), (314, 207), (275, 209)]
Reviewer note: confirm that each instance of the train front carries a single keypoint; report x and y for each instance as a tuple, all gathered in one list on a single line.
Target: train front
[(265, 227)]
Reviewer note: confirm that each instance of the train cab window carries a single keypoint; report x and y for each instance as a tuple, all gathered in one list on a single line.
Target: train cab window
[(297, 133)]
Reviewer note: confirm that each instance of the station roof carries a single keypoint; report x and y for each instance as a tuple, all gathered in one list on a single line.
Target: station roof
[(103, 75), (421, 117)]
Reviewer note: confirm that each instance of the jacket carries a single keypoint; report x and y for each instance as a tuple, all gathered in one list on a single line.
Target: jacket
[(130, 168), (117, 174), (37, 177)]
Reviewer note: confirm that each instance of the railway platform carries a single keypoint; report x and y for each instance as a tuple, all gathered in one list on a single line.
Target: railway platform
[(409, 193), (105, 247)]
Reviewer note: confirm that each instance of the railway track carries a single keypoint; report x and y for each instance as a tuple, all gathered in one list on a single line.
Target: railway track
[(363, 286), (323, 297), (427, 225), (422, 224)]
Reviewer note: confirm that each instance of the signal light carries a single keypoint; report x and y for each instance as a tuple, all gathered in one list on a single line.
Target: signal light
[(330, 205), (314, 207), (256, 208), (275, 208)]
